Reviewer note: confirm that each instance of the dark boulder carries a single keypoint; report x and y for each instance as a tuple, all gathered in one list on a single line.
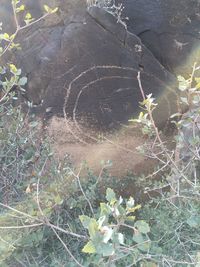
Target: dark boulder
[(170, 29), (84, 64)]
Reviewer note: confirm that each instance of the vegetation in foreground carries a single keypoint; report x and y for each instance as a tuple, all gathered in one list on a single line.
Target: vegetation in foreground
[(51, 216)]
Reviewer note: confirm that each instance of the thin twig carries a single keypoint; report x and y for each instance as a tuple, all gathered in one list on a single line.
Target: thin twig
[(48, 223), (81, 188), (21, 226), (158, 135)]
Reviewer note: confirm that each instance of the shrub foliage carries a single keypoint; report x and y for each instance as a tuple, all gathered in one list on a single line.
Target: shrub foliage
[(51, 216)]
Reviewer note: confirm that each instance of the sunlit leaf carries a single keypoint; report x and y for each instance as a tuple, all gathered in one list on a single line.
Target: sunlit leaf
[(183, 83), (133, 209), (21, 8), (93, 228), (89, 248), (54, 10), (13, 68), (28, 16), (6, 36), (47, 8)]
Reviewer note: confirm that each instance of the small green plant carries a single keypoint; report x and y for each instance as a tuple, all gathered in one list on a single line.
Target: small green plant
[(173, 207), (17, 133), (10, 84), (148, 105), (116, 233)]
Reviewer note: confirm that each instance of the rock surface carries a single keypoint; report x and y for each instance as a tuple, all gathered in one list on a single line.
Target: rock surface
[(170, 29), (85, 65)]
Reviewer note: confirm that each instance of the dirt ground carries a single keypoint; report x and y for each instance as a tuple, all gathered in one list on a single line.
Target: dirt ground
[(99, 150)]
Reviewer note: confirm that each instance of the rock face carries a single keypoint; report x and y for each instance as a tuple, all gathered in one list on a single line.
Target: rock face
[(84, 64), (170, 29)]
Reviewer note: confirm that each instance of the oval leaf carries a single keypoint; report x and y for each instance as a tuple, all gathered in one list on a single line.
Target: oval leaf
[(142, 227)]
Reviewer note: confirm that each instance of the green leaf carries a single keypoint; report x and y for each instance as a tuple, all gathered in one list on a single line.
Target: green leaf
[(21, 8), (47, 8), (142, 227), (22, 81), (133, 209), (54, 10), (58, 200), (144, 246), (90, 224), (143, 243), (183, 83), (104, 209), (50, 10), (130, 218), (138, 238), (110, 196), (89, 248), (85, 220), (93, 228), (105, 249), (28, 16), (13, 68), (6, 36), (198, 85)]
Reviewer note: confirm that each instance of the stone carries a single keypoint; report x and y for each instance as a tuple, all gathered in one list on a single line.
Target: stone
[(84, 66), (169, 29)]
